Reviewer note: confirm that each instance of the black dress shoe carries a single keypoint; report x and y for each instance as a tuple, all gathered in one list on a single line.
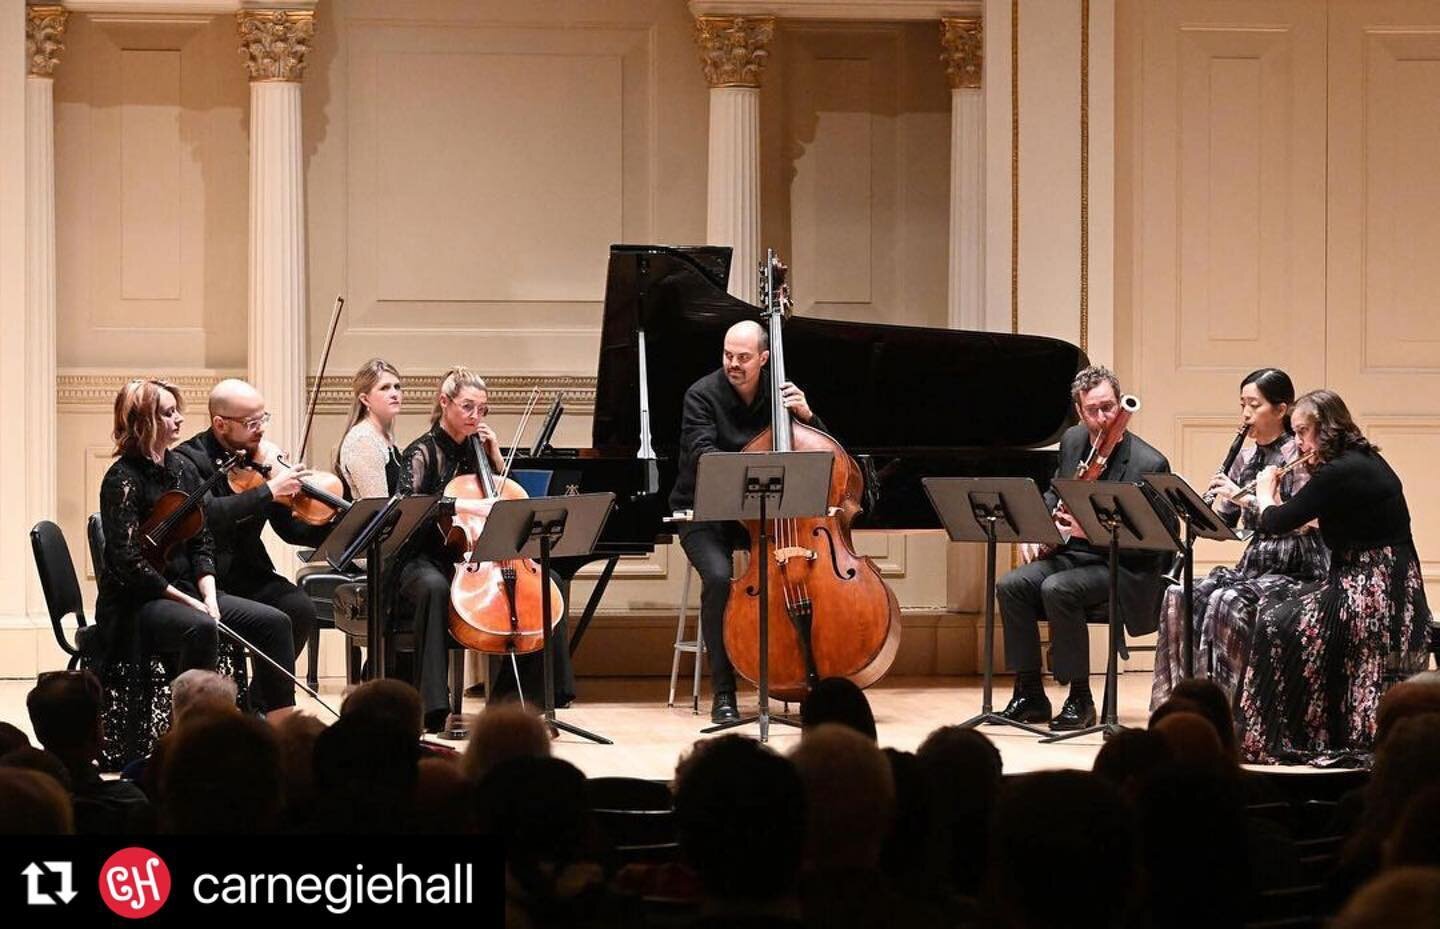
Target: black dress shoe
[(1027, 708), (722, 708), (435, 720), (1075, 714)]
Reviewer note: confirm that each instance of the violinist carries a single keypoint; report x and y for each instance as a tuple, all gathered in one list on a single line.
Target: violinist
[(426, 466), (1075, 579), (243, 566), (722, 412), (368, 461), (173, 610)]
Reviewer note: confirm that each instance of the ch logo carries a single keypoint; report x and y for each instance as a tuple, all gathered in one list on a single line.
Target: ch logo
[(134, 882), (35, 896)]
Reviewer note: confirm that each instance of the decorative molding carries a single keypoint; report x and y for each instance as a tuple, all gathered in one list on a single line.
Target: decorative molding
[(963, 41), (94, 391), (732, 48), (44, 29), (880, 10), (273, 43)]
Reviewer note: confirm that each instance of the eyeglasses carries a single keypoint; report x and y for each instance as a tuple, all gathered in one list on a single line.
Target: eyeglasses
[(475, 409), (253, 423), (1100, 408)]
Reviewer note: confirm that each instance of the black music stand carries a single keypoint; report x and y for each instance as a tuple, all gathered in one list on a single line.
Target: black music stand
[(761, 486), (1117, 515), (543, 528), (1200, 521), (379, 527), (991, 510)]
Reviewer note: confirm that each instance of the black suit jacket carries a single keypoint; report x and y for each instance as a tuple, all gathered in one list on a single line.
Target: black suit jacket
[(1141, 586), (236, 520)]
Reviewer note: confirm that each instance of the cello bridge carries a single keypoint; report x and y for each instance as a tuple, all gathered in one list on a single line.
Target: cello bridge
[(783, 555)]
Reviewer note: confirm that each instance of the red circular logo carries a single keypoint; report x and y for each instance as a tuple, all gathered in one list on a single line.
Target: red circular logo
[(134, 882)]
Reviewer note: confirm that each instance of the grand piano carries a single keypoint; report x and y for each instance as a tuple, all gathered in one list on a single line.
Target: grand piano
[(907, 402)]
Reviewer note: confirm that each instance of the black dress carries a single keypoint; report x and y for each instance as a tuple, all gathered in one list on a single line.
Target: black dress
[(1319, 660), (427, 465)]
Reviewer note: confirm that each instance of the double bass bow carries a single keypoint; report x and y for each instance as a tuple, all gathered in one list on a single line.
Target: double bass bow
[(839, 617)]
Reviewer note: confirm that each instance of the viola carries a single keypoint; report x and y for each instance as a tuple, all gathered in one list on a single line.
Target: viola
[(839, 617), (177, 517), (318, 501), (496, 607)]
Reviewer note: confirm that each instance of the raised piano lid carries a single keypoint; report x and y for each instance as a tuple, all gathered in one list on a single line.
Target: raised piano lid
[(881, 389)]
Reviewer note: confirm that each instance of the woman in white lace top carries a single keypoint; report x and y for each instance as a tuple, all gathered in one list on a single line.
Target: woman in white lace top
[(368, 462)]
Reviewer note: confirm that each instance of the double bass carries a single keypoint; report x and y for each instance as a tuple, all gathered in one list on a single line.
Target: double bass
[(831, 613)]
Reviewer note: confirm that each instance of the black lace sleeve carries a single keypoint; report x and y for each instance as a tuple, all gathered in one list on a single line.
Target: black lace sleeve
[(417, 467), (121, 500)]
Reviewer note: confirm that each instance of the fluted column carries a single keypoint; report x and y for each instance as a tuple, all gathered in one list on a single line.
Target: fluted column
[(733, 53), (44, 32), (963, 41)]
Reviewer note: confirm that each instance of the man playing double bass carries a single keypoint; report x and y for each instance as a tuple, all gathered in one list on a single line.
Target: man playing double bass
[(1075, 579), (242, 565), (723, 411)]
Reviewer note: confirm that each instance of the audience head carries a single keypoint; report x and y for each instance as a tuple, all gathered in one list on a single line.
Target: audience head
[(11, 738), (538, 810), (1403, 898), (200, 688), (295, 736), (1419, 694), (1192, 821), (963, 769), (37, 759), (365, 773), (1207, 699), (444, 797), (1193, 741), (849, 797), (1415, 840), (1130, 756), (32, 803), (222, 774), (1404, 765), (386, 698), (734, 798), (64, 711), (503, 732), (911, 852), (1068, 819), (837, 700)]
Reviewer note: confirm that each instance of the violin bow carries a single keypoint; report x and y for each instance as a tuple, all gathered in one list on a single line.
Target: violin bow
[(320, 376), (520, 430)]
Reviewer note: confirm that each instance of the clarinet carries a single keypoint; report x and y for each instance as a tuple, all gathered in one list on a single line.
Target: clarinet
[(1177, 567)]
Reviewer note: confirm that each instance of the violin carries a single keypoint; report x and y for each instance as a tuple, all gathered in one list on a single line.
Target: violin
[(838, 616), (177, 517), (495, 607), (318, 501)]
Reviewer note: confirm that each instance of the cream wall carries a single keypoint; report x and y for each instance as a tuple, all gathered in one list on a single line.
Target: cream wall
[(467, 166), (1278, 208)]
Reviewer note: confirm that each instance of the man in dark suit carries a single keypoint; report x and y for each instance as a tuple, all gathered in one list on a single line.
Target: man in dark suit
[(242, 565), (1075, 579)]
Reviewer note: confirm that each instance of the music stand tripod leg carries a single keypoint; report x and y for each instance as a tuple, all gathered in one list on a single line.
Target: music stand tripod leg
[(547, 652), (1109, 723), (987, 715), (763, 716)]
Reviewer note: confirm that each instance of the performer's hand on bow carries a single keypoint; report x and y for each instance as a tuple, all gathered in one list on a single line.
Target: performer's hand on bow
[(794, 399)]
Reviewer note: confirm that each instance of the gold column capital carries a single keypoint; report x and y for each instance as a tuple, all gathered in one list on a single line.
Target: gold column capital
[(44, 28), (732, 48), (963, 42), (273, 43)]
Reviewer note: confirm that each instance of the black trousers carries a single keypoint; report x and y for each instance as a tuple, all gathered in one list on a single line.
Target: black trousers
[(168, 626), (276, 591), (710, 548), (1063, 589), (424, 592)]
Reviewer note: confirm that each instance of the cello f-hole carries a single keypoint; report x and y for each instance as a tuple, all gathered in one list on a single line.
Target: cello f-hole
[(834, 562)]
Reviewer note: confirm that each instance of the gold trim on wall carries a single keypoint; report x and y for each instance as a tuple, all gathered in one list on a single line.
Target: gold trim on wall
[(94, 392), (1085, 176), (1014, 166)]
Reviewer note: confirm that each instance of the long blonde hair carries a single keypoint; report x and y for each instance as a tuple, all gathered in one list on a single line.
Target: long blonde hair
[(454, 381), (361, 384), (137, 415)]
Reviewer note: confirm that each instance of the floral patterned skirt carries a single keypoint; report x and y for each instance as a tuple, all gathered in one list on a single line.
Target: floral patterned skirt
[(1225, 605), (1319, 661)]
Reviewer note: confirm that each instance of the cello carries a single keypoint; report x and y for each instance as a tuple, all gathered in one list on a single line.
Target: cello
[(840, 618), (495, 607)]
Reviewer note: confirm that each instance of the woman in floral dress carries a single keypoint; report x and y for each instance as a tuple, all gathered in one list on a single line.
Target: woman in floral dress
[(1319, 662)]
